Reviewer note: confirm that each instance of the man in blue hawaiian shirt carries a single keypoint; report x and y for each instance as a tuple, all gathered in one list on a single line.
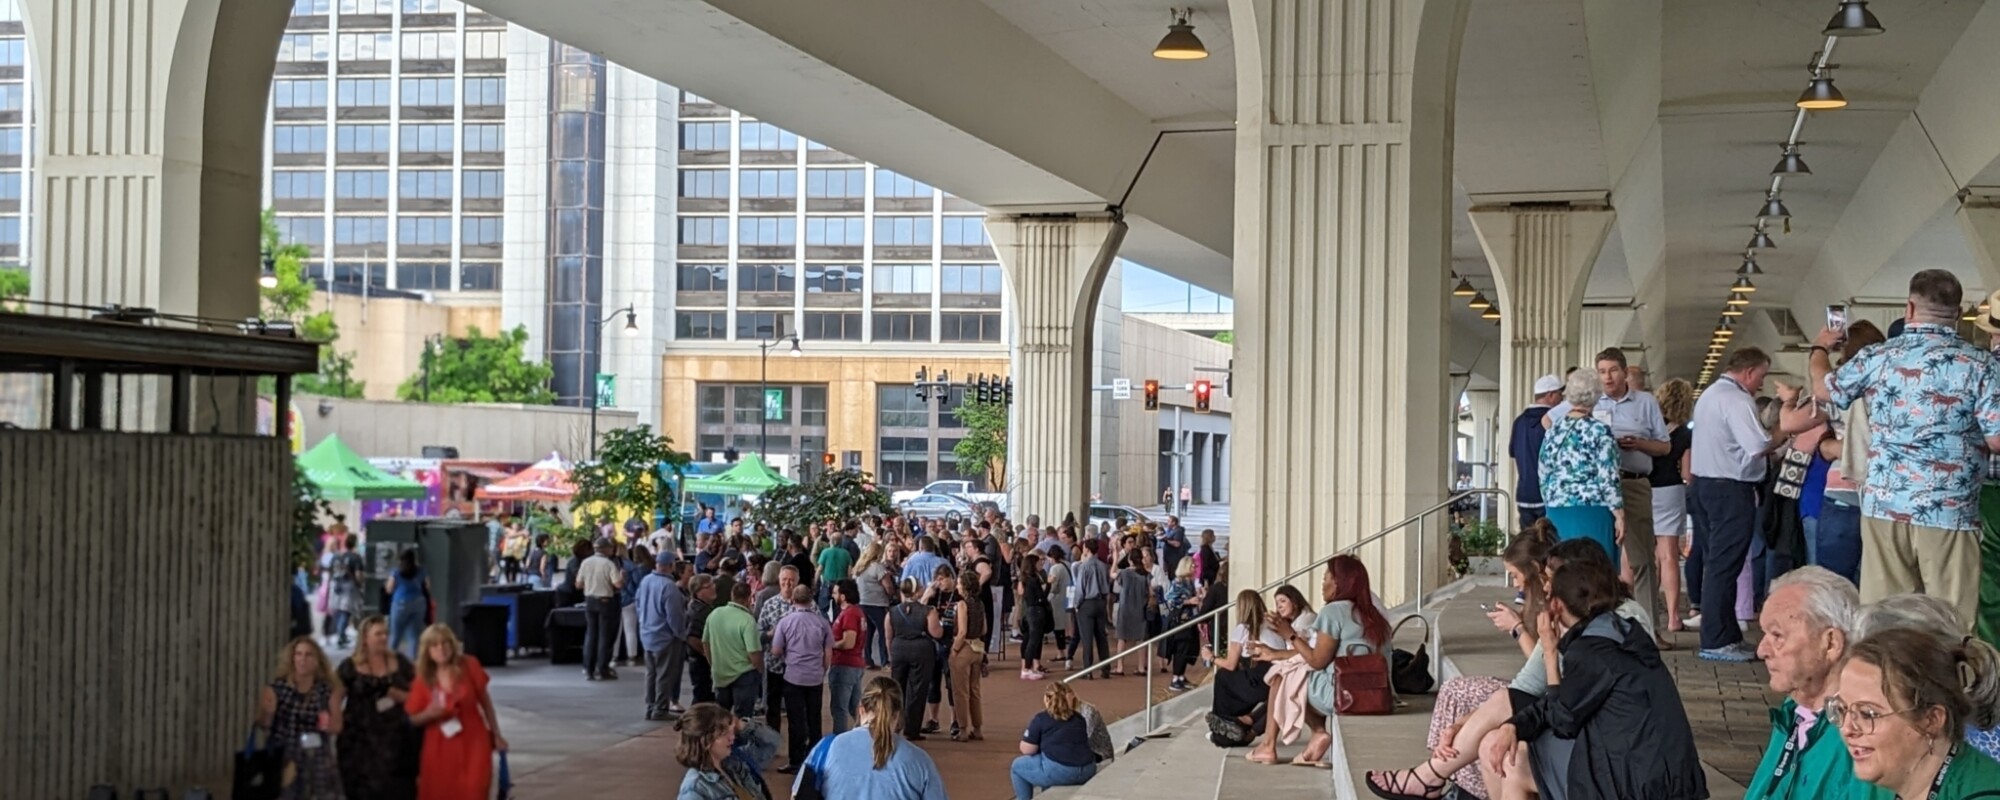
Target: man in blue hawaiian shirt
[(1934, 418)]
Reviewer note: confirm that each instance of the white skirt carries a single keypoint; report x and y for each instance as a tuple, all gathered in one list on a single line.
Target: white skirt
[(1670, 510)]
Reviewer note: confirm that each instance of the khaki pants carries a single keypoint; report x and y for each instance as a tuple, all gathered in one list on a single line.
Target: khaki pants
[(1637, 550), (1900, 558), (966, 704)]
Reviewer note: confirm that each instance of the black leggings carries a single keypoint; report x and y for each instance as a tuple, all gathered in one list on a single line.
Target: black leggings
[(1034, 628), (911, 662), (1239, 691), (1181, 650)]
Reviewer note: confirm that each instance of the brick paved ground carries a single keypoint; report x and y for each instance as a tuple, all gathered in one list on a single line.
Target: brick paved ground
[(1729, 706)]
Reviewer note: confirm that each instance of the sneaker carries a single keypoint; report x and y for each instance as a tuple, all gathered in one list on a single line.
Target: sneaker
[(1036, 676), (1223, 729), (1177, 685), (1738, 653), (1693, 621)]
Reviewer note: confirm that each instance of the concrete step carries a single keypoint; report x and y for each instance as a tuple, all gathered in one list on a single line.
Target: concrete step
[(1180, 764)]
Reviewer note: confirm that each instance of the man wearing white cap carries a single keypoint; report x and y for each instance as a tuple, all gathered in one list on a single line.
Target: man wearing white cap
[(1525, 447)]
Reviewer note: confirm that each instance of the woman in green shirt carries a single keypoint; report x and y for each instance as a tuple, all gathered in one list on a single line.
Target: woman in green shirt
[(1904, 700)]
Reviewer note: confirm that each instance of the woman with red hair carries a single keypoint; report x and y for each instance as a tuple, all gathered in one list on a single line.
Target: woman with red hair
[(1349, 624)]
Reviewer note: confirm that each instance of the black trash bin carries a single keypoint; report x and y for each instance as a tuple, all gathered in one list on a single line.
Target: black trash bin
[(486, 633)]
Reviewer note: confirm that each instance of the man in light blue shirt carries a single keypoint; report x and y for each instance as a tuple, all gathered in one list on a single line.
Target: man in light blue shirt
[(663, 629), (923, 566), (1635, 418)]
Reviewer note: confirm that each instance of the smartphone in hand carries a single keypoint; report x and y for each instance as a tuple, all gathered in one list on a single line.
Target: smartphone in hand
[(1836, 319)]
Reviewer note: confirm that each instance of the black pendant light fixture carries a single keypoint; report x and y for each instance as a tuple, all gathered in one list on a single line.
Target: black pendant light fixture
[(1774, 208), (1749, 266), (1761, 240), (1479, 302), (1738, 299), (1821, 94), (1791, 163), (1180, 43), (1464, 289), (1743, 285), (1853, 19)]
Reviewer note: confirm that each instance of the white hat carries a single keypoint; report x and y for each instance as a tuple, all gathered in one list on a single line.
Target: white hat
[(1548, 383)]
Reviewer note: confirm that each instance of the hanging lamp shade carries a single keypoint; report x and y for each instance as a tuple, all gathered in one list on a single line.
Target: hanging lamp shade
[(1732, 311), (1490, 313), (1180, 43), (1761, 241), (1853, 19), (1738, 299), (1749, 267), (1480, 302), (1821, 95), (1774, 209), (1463, 289), (1743, 285), (1791, 164)]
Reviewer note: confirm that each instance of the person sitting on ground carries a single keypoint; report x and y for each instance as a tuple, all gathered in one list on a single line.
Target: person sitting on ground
[(1808, 620), (1055, 750), (1932, 615), (874, 761), (707, 732), (1905, 699), (1286, 675), (1610, 696), (1235, 712), (1349, 624)]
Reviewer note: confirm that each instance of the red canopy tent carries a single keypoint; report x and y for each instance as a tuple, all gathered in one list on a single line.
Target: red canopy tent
[(547, 480)]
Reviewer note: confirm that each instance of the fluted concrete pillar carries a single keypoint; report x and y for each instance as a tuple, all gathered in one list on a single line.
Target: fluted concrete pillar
[(1343, 179), (150, 154), (1979, 219), (1604, 328), (1056, 265), (1541, 258)]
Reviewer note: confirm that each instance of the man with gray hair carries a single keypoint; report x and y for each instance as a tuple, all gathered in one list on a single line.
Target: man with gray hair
[(1808, 620), (1934, 418)]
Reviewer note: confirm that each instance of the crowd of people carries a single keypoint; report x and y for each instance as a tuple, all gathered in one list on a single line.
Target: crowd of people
[(1851, 519)]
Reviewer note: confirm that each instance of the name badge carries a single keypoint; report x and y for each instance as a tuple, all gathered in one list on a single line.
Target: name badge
[(383, 705), (451, 727), (1602, 414), (310, 740)]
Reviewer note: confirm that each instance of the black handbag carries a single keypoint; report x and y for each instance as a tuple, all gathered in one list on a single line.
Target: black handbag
[(260, 772), (1410, 672)]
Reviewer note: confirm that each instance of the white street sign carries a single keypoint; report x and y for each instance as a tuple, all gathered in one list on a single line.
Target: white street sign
[(1121, 389)]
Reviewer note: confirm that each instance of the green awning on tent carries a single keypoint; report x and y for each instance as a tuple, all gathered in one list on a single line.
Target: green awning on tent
[(342, 474), (750, 476)]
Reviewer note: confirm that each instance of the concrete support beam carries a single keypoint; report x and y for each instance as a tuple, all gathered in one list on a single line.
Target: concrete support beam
[(1056, 266), (1343, 193), (1541, 261), (1600, 329), (1980, 220)]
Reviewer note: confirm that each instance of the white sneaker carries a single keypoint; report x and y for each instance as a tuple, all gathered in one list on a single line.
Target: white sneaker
[(1693, 621)]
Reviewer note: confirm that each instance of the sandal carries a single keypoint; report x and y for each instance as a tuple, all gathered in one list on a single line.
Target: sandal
[(1255, 757), (1393, 787)]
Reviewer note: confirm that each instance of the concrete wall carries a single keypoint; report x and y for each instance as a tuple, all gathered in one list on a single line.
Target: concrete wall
[(147, 606), (1151, 350), (497, 432), (386, 335)]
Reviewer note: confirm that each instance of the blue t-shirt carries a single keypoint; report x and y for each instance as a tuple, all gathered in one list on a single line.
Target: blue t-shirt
[(1065, 741), (410, 589), (923, 566), (909, 775)]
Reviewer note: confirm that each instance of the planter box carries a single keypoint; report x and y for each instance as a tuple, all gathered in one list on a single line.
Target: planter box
[(1485, 565)]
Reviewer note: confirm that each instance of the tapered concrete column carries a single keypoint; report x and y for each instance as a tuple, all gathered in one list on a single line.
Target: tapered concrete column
[(1601, 329), (1980, 220), (1541, 259), (1056, 265), (1343, 178), (150, 155), (1481, 450)]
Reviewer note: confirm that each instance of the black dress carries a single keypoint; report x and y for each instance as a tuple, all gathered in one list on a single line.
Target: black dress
[(378, 747)]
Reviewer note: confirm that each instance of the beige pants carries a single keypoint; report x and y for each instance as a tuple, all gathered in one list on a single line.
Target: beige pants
[(1637, 550), (1901, 558)]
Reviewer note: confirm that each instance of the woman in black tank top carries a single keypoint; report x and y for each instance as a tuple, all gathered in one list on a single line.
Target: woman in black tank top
[(913, 632)]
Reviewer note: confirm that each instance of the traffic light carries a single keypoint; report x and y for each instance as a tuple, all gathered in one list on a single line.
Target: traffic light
[(1007, 392), (923, 393), (1152, 395), (944, 388), (827, 459), (980, 391), (1201, 392)]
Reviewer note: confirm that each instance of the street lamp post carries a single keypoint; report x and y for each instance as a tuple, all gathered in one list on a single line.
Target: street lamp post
[(764, 378), (631, 329)]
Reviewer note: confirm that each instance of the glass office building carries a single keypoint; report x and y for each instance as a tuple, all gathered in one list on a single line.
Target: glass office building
[(16, 130)]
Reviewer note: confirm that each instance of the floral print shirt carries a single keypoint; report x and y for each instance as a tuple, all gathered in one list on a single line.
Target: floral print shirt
[(1933, 400), (1579, 462)]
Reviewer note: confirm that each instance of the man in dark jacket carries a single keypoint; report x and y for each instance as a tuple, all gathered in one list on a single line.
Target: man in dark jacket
[(1525, 447)]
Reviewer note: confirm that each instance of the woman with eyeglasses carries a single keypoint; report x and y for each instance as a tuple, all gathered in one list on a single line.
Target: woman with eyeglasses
[(1932, 615), (1904, 701)]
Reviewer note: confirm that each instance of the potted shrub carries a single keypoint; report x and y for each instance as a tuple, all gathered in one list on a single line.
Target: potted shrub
[(1480, 542)]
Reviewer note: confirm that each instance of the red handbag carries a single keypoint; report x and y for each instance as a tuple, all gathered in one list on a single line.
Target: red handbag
[(1361, 683)]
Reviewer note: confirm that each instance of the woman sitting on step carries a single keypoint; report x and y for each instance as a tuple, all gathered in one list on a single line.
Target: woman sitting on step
[(1348, 623), (1471, 707), (1234, 716)]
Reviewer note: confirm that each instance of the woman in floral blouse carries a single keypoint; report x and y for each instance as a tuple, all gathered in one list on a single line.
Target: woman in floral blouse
[(1579, 462)]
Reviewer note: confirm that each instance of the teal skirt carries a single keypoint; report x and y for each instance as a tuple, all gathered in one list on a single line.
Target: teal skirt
[(1586, 522)]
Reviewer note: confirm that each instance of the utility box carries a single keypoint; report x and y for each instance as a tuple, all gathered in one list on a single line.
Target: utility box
[(451, 551)]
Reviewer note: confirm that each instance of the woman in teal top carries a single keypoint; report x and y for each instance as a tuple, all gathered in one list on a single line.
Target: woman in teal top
[(1579, 470), (1904, 701)]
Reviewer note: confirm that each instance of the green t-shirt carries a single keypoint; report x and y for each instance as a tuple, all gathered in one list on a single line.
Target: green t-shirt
[(731, 636), (834, 563), (1973, 774)]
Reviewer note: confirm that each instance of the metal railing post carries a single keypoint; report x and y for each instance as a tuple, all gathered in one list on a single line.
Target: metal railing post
[(1420, 564), (1151, 723)]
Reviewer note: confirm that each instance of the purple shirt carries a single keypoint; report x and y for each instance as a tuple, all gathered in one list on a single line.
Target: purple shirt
[(802, 638)]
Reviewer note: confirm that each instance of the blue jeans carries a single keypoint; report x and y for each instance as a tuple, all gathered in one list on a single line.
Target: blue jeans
[(740, 695), (875, 649), (844, 683), (1039, 772), (406, 623), (1839, 540)]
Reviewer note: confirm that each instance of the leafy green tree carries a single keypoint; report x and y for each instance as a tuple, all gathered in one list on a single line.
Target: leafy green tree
[(307, 510), (1226, 337), (291, 300), (985, 442), (481, 369), (626, 479), (835, 495), (13, 283)]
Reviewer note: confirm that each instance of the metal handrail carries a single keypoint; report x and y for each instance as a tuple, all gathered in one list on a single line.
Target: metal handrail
[(1414, 519)]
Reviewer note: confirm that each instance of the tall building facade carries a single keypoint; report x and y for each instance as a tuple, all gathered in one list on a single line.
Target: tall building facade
[(16, 138)]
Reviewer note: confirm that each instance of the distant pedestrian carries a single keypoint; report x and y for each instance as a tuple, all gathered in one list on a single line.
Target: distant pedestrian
[(301, 710), (1524, 445), (663, 629), (409, 590), (600, 579), (801, 642), (845, 665)]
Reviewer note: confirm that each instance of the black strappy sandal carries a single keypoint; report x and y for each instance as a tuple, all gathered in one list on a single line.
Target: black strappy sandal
[(1431, 791)]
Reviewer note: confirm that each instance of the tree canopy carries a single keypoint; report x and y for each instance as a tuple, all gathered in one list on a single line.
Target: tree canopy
[(985, 442), (625, 479), (480, 369), (291, 300)]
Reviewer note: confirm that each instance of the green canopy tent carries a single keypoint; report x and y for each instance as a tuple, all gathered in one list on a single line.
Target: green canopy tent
[(750, 476), (342, 474)]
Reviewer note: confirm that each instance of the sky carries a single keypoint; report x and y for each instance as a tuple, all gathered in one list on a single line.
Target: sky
[(1149, 291)]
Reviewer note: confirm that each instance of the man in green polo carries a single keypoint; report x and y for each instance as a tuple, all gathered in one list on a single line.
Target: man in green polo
[(735, 653)]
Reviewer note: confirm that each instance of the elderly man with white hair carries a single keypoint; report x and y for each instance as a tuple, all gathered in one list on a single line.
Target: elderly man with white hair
[(1809, 620)]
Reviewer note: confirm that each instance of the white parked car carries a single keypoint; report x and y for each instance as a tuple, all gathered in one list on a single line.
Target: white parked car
[(956, 488), (1109, 514)]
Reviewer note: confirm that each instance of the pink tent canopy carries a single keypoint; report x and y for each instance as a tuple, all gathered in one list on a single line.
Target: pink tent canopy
[(547, 480)]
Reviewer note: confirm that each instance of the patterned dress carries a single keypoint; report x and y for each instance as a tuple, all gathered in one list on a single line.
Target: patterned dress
[(1579, 471), (378, 747), (312, 772)]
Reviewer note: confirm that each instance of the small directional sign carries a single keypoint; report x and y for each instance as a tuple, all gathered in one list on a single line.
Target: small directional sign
[(1121, 389)]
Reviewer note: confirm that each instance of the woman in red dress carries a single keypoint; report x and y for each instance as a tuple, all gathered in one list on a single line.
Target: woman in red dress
[(461, 732)]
